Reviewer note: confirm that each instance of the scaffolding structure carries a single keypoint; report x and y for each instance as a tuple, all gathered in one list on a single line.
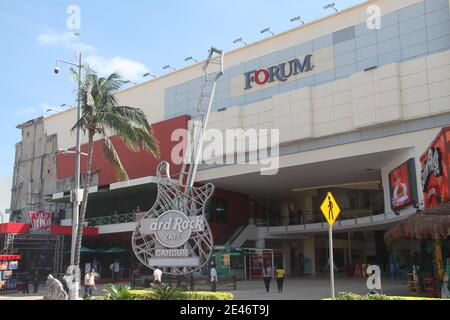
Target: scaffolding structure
[(27, 241)]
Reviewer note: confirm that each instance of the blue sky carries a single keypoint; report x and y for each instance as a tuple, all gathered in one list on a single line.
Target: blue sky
[(133, 36)]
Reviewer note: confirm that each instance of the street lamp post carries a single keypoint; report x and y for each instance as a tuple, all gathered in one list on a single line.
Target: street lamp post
[(76, 199)]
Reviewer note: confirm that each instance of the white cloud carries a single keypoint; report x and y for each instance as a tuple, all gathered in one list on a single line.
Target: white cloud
[(26, 111), (68, 40), (127, 69)]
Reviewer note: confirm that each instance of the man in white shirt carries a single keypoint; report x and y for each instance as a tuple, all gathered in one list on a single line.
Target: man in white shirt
[(213, 274), (157, 275), (89, 282)]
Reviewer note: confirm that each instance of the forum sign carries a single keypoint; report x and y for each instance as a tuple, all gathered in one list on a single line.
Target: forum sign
[(281, 72)]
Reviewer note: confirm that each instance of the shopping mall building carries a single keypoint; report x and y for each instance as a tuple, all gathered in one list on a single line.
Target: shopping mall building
[(356, 106)]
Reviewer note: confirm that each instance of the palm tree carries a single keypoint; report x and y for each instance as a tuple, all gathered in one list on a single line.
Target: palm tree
[(100, 114)]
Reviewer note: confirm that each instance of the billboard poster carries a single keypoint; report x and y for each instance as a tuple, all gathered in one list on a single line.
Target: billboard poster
[(3, 265), (40, 222), (7, 275), (434, 175), (402, 185), (13, 265)]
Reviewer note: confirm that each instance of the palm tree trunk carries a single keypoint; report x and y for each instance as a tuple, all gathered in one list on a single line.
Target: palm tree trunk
[(87, 184)]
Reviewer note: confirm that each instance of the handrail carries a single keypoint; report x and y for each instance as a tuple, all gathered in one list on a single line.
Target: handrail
[(115, 219), (306, 219)]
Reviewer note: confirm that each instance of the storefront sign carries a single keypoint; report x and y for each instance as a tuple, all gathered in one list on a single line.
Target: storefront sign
[(434, 175), (402, 185), (40, 222), (281, 72), (433, 165), (173, 228)]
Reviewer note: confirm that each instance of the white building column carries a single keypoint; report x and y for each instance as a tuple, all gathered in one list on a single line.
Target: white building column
[(260, 244), (284, 213), (309, 254)]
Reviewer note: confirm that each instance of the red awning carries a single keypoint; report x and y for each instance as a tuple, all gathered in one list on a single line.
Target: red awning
[(9, 257), (65, 230)]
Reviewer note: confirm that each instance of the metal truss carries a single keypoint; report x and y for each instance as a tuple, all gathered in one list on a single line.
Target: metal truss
[(37, 241)]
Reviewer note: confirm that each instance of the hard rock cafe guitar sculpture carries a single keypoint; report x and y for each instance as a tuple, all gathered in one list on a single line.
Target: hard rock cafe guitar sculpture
[(175, 235)]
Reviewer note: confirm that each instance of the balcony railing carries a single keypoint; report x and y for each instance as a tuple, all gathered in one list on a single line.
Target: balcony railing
[(276, 221), (115, 219)]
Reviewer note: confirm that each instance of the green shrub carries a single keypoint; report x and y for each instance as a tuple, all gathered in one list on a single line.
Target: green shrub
[(111, 292), (181, 295), (163, 292)]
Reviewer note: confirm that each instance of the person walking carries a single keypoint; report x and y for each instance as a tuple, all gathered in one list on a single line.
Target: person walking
[(213, 274), (267, 274), (89, 282), (134, 275), (280, 275), (35, 282), (157, 276), (26, 283)]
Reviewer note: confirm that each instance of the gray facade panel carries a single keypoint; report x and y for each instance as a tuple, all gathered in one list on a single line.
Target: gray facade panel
[(388, 46), (414, 51), (439, 30), (363, 64), (438, 45), (412, 25), (366, 53), (437, 17), (366, 40), (344, 47), (411, 12), (287, 54), (345, 59), (322, 42), (269, 60), (319, 78), (420, 124), (349, 137), (343, 35), (307, 47), (388, 33), (308, 81), (394, 129), (372, 133), (432, 5), (389, 19), (345, 71), (390, 57), (412, 39)]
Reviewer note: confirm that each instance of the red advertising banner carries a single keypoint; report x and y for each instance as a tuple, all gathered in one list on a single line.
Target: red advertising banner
[(41, 222), (434, 175), (402, 185)]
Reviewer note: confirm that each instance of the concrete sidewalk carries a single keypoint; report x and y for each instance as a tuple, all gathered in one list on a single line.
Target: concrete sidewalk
[(294, 289), (312, 288)]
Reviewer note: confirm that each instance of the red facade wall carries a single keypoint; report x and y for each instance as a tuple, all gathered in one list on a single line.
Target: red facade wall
[(238, 213), (437, 188), (137, 164)]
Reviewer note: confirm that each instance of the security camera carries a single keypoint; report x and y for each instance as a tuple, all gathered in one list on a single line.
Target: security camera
[(56, 70)]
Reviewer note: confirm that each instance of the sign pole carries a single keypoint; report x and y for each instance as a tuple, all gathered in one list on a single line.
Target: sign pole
[(330, 234)]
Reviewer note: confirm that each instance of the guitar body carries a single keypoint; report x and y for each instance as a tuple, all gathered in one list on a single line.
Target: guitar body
[(175, 235)]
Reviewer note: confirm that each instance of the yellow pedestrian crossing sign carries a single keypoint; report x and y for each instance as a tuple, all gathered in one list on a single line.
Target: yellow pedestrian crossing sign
[(330, 209)]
